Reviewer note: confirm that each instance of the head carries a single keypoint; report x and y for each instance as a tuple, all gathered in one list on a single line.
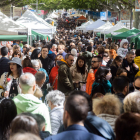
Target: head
[(16, 48), (72, 45), (75, 110), (74, 52), (58, 58), (61, 49), (124, 43), (117, 62), (16, 54), (81, 64), (121, 85), (54, 47), (130, 57), (103, 73), (55, 98), (106, 57), (96, 62), (27, 83), (4, 51), (101, 50), (24, 123), (89, 49), (121, 72), (27, 62), (137, 83), (40, 77), (112, 54), (36, 54), (35, 64), (44, 52), (8, 112), (69, 59), (24, 50), (127, 127)]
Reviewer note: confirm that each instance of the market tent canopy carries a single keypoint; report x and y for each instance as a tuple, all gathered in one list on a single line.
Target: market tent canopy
[(53, 15), (10, 27), (95, 25), (126, 34), (32, 21), (13, 37), (133, 37), (118, 26), (105, 26), (82, 18), (84, 25)]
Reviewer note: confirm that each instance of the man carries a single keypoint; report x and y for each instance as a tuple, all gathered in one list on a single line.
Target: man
[(61, 51), (4, 66), (54, 48), (96, 62), (75, 112), (137, 84), (46, 61), (65, 84), (27, 102)]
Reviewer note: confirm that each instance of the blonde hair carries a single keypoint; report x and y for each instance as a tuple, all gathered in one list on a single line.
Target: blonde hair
[(38, 93), (109, 104)]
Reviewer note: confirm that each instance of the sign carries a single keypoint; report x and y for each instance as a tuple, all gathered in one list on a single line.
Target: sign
[(17, 11), (125, 14), (137, 5), (114, 14), (103, 15), (3, 43)]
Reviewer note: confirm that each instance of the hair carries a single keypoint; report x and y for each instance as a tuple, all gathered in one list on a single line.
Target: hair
[(27, 62), (89, 48), (67, 56), (16, 47), (126, 126), (101, 73), (39, 76), (56, 97), (35, 62), (113, 53), (24, 123), (119, 71), (117, 58), (82, 70), (119, 83), (35, 53), (38, 92), (99, 58), (101, 50), (16, 53), (108, 104), (54, 45), (130, 52), (45, 47), (27, 80), (24, 136), (97, 95), (4, 51), (58, 57), (77, 106), (40, 63), (132, 102), (8, 112)]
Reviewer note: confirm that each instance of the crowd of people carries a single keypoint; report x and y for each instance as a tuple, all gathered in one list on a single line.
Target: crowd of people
[(74, 87)]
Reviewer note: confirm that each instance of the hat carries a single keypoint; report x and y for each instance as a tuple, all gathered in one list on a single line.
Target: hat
[(16, 60), (123, 42), (74, 52)]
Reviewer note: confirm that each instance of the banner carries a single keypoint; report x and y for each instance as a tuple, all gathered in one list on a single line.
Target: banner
[(103, 15), (114, 14), (17, 11), (137, 5), (125, 14)]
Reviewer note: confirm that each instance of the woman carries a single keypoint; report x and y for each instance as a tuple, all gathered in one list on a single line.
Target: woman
[(10, 81), (8, 112), (117, 63), (121, 72), (55, 100), (36, 54), (28, 67), (54, 72), (16, 54), (79, 71), (102, 83), (108, 108)]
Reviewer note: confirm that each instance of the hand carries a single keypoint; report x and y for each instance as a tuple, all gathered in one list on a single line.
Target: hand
[(6, 93), (134, 65), (127, 68), (91, 71)]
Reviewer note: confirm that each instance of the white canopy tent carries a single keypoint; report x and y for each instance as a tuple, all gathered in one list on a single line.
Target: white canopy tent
[(53, 15), (35, 23), (118, 26), (10, 27), (95, 25), (104, 27)]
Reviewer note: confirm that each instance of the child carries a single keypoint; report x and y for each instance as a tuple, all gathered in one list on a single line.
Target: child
[(123, 49)]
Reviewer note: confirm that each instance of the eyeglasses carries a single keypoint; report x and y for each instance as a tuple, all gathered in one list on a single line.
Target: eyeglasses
[(71, 60), (94, 61), (138, 88)]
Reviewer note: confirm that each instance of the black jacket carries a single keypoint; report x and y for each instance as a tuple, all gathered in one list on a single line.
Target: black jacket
[(113, 71), (44, 134), (47, 63), (4, 65)]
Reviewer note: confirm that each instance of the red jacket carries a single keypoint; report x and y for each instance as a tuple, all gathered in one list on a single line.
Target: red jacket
[(30, 70)]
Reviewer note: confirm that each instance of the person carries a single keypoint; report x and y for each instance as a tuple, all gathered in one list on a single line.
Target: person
[(28, 102), (105, 58), (24, 50), (117, 63), (36, 54), (74, 53), (65, 83), (4, 66), (95, 64), (75, 112), (16, 54), (61, 51), (121, 72), (10, 80), (131, 102), (24, 123), (46, 61), (137, 84), (79, 71), (24, 136), (127, 127), (53, 77), (27, 66), (108, 108), (102, 83), (55, 100), (121, 88), (8, 112), (54, 48), (123, 49)]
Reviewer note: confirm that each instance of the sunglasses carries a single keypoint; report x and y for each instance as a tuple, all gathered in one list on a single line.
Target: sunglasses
[(138, 88), (94, 61)]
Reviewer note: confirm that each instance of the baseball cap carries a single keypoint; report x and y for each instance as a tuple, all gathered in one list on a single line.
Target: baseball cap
[(16, 60)]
